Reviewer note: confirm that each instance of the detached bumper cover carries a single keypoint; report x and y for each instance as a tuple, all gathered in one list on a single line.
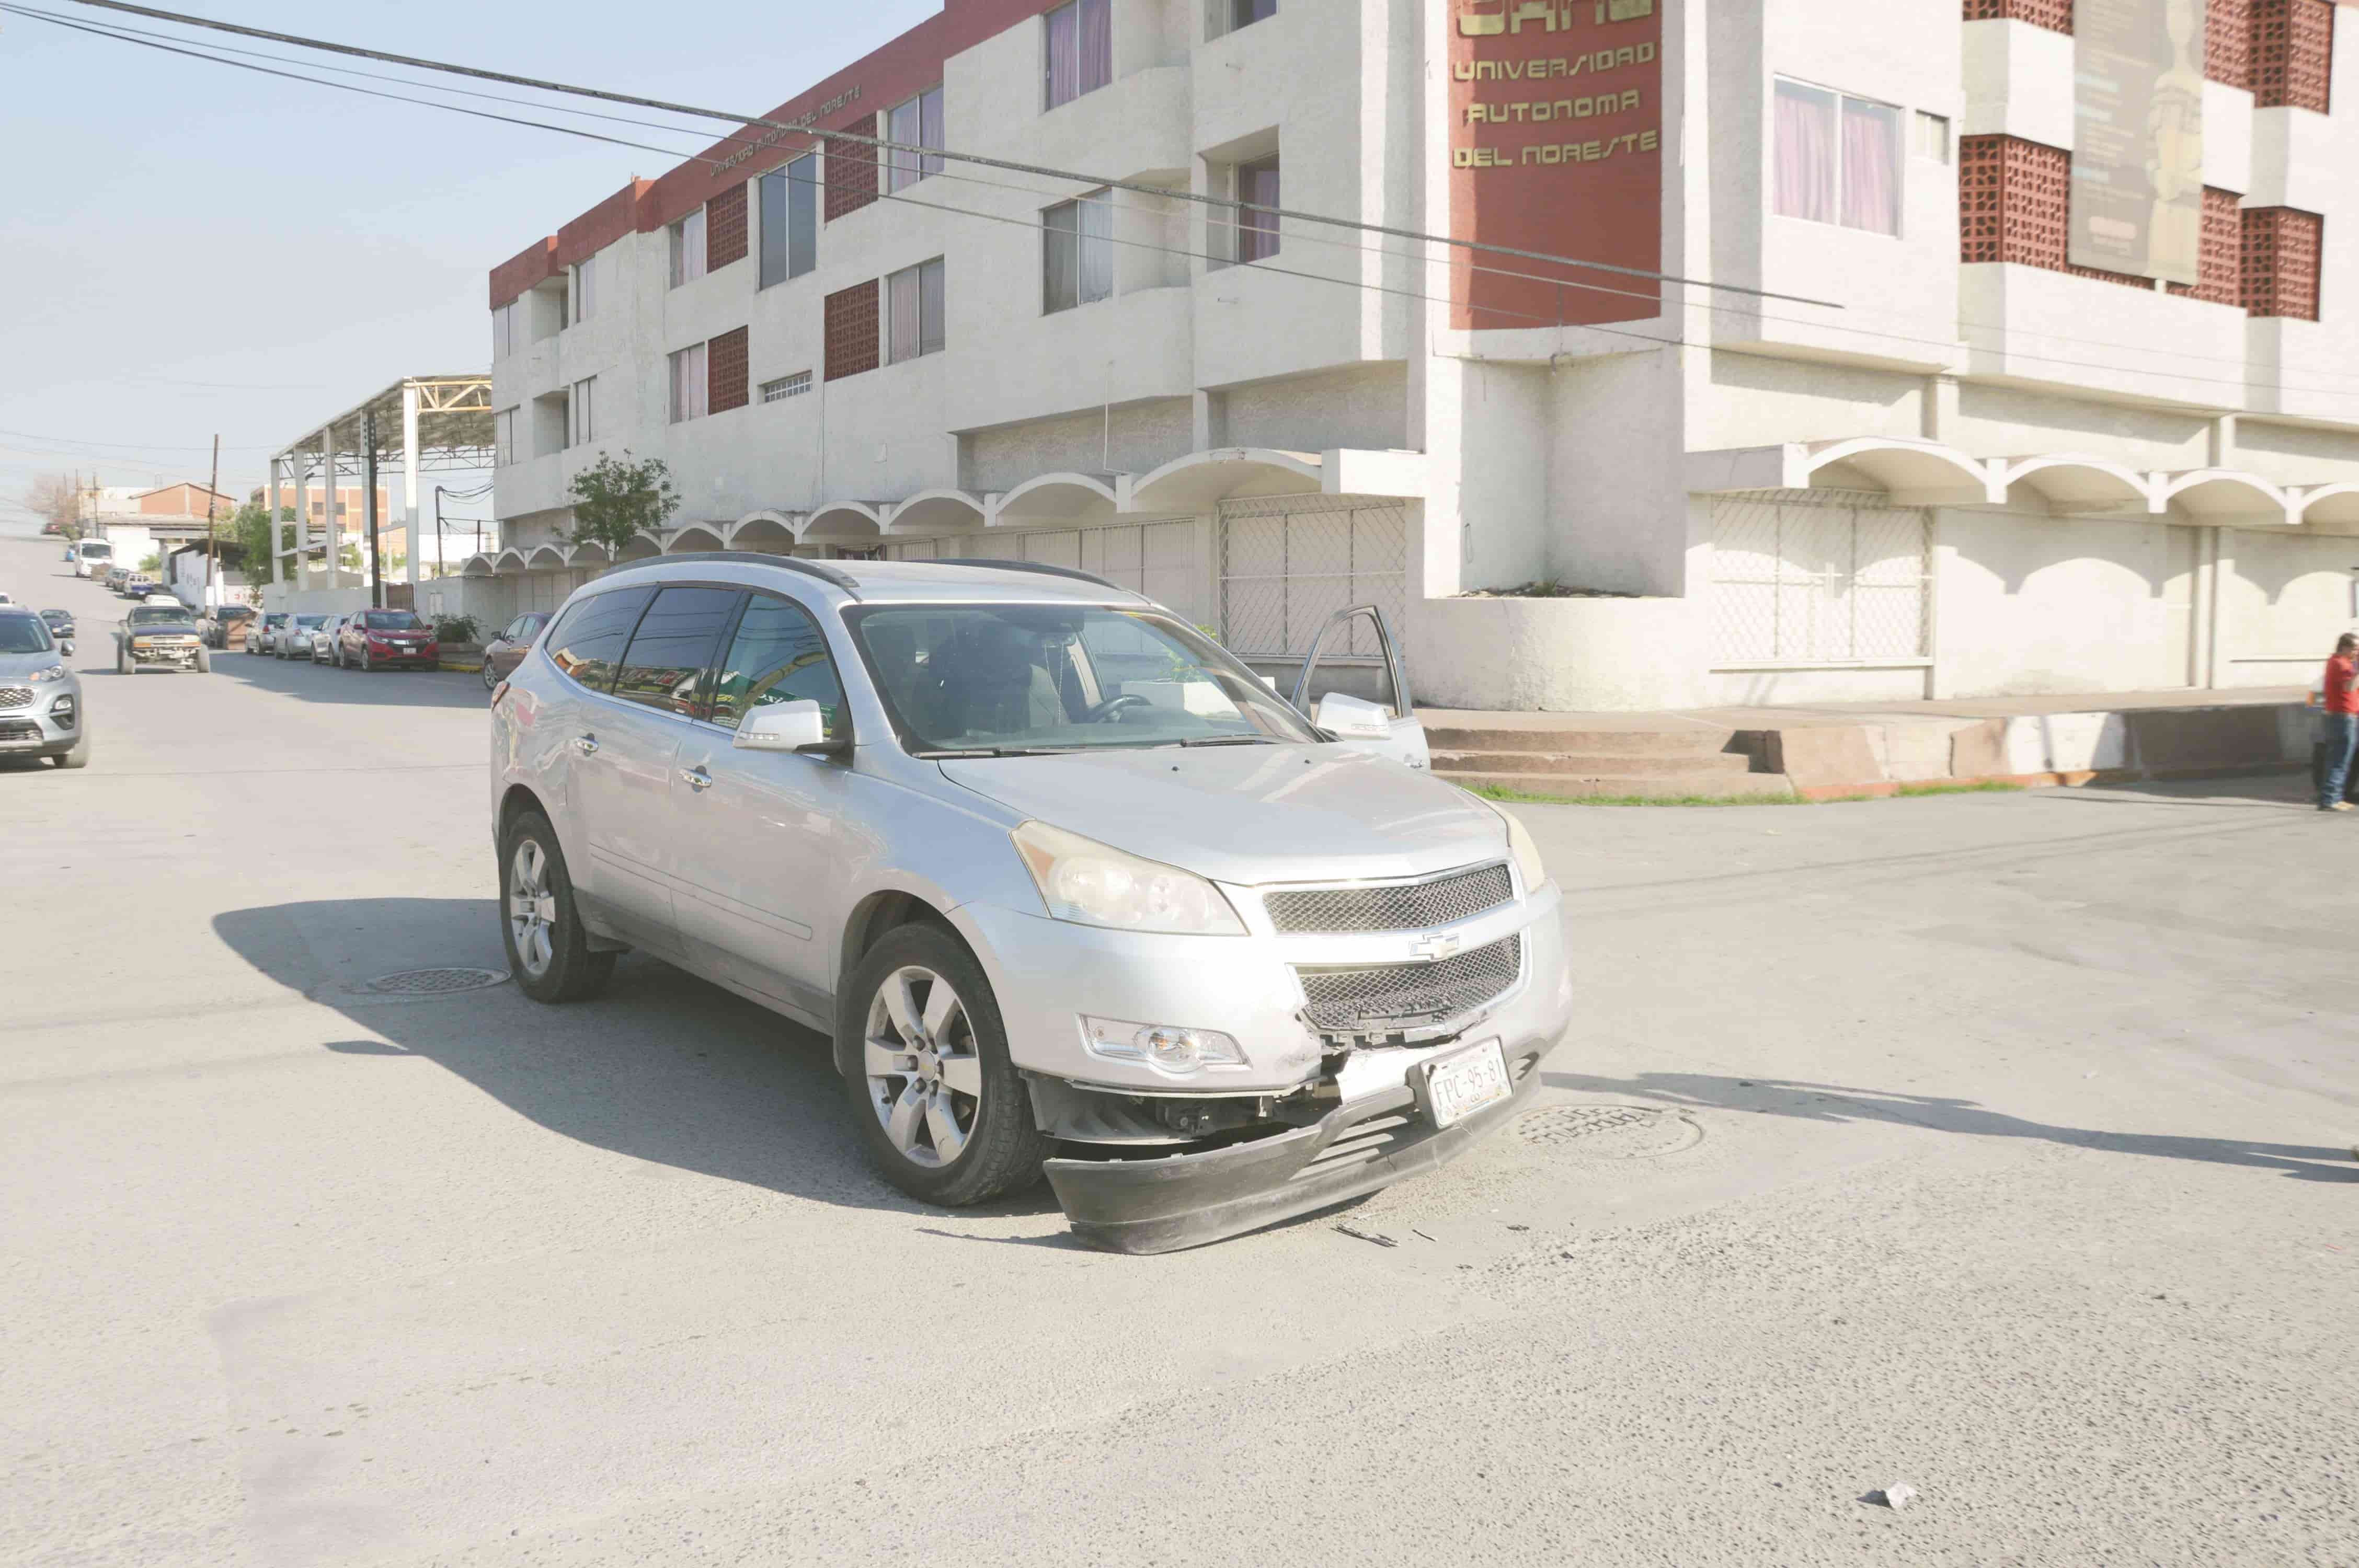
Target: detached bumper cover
[(1185, 1200)]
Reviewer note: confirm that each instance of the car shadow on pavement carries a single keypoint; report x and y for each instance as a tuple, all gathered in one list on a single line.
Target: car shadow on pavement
[(664, 1068), (1834, 1103), (2275, 789), (309, 682)]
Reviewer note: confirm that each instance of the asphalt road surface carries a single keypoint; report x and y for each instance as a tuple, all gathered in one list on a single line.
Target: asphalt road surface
[(1997, 1146)]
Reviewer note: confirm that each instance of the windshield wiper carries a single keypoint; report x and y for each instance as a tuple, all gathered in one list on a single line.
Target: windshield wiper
[(999, 752), (1229, 740)]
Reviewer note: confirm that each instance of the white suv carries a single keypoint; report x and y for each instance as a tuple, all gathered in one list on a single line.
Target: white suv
[(1055, 872)]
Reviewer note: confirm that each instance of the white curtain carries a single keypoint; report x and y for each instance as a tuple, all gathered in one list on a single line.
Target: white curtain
[(903, 316), (1804, 177), (1096, 64), (1095, 246), (1871, 166), (1064, 55)]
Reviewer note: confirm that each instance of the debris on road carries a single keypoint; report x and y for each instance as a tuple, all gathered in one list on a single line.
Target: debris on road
[(1894, 1497), (1376, 1236)]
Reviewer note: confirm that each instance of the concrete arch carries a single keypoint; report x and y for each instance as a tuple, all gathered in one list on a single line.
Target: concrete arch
[(2329, 506), (2076, 482), (859, 520), (1058, 498), (1915, 473), (943, 511), (695, 536), (1194, 482), (551, 557), (478, 566), (2224, 495), (639, 547), (770, 532), (509, 562)]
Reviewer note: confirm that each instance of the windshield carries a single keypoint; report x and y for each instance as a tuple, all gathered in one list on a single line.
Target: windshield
[(93, 551), (23, 635), (157, 615), (391, 620), (310, 620), (1021, 678)]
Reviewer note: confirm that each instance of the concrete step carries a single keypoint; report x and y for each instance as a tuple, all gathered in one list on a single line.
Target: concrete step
[(1656, 787), (1581, 763), (1683, 742)]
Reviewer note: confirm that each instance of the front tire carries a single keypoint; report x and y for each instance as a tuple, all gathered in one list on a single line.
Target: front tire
[(123, 666), (365, 666), (204, 665), (548, 947), (486, 672), (942, 1109), (77, 758)]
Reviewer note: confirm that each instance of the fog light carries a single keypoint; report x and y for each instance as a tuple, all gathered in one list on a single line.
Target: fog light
[(1165, 1046), (63, 710)]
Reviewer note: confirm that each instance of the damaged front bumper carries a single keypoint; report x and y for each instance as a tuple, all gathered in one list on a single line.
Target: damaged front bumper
[(1176, 1201)]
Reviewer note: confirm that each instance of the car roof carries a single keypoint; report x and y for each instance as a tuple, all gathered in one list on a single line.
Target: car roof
[(883, 582)]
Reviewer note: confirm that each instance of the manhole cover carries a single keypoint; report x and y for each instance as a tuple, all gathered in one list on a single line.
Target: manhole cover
[(1612, 1132), (434, 982)]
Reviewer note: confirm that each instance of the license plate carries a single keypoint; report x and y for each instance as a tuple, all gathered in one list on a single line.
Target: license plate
[(1463, 1082)]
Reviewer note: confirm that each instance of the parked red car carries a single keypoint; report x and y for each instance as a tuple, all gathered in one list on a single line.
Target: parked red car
[(383, 639)]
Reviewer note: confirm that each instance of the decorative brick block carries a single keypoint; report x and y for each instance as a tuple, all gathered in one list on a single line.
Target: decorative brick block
[(2282, 247), (2056, 16), (2222, 268), (850, 170), (724, 371), (851, 331), (2228, 43), (2014, 203), (724, 228), (2293, 53)]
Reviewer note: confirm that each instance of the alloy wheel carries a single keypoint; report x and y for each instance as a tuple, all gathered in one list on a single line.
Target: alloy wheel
[(532, 908), (925, 1077)]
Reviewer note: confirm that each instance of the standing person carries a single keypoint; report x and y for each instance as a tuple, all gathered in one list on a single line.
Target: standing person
[(2340, 721)]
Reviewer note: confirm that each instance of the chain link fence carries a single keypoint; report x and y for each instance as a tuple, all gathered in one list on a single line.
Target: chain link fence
[(1818, 578), (1289, 563)]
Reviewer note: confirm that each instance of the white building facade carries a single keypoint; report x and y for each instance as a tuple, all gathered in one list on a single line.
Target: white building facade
[(1897, 437)]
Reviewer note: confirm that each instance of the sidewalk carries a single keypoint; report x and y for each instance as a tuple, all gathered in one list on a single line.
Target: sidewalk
[(1871, 748)]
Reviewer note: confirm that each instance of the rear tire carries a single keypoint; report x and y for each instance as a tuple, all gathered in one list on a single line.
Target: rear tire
[(540, 923), (486, 673), (942, 1110)]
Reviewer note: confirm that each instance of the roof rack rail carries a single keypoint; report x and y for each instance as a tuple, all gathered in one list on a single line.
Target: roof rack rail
[(1040, 567), (820, 570)]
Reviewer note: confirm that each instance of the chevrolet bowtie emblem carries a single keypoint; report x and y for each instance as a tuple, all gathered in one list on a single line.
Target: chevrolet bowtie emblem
[(1435, 946)]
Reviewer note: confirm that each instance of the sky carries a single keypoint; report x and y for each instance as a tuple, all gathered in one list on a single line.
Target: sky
[(191, 249)]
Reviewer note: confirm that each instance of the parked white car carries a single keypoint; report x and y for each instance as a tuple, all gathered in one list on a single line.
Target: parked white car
[(293, 641), (1068, 884)]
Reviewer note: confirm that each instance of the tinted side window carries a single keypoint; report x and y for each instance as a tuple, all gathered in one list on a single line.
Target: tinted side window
[(588, 641), (778, 655), (669, 653)]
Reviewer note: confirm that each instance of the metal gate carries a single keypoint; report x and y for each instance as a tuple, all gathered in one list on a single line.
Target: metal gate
[(1818, 578), (1289, 562)]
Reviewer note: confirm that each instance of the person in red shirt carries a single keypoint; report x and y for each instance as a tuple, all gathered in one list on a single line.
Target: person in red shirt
[(2340, 723)]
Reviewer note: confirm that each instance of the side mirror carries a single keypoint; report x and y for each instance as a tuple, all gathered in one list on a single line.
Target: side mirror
[(785, 726), (1350, 717), (66, 648)]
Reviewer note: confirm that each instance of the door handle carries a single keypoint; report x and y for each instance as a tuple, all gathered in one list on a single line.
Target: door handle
[(585, 744), (696, 778)]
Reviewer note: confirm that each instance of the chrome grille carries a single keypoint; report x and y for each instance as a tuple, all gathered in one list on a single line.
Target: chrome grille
[(1407, 995), (1396, 906), (15, 695)]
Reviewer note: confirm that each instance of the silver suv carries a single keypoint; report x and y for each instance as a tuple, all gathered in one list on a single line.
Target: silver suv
[(1068, 885)]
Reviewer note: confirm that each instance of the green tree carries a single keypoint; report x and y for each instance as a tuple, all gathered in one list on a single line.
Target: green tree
[(248, 529), (616, 498)]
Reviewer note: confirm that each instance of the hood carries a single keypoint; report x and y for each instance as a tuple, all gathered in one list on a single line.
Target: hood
[(1249, 813), (15, 667)]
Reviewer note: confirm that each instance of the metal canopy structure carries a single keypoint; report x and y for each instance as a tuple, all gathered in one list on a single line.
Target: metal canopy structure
[(421, 424)]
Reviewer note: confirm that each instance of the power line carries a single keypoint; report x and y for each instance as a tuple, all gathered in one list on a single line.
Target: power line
[(300, 41)]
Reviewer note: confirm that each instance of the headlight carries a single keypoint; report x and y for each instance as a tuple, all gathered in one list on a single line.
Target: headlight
[(1528, 866), (1178, 1051), (1084, 881), (55, 672)]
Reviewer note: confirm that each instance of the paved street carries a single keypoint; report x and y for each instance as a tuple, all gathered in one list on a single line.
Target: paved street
[(1998, 1145)]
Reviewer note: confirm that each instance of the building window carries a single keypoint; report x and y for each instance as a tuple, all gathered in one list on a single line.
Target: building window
[(688, 385), (503, 330), (580, 278), (1080, 50), (585, 416), (1838, 159), (791, 220), (913, 311), (1235, 13), (687, 249), (1077, 252), (502, 438), (918, 122), (786, 386), (1933, 137), (1258, 183)]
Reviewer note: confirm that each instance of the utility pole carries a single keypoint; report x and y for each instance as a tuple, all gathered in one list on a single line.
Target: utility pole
[(213, 551), (369, 507)]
